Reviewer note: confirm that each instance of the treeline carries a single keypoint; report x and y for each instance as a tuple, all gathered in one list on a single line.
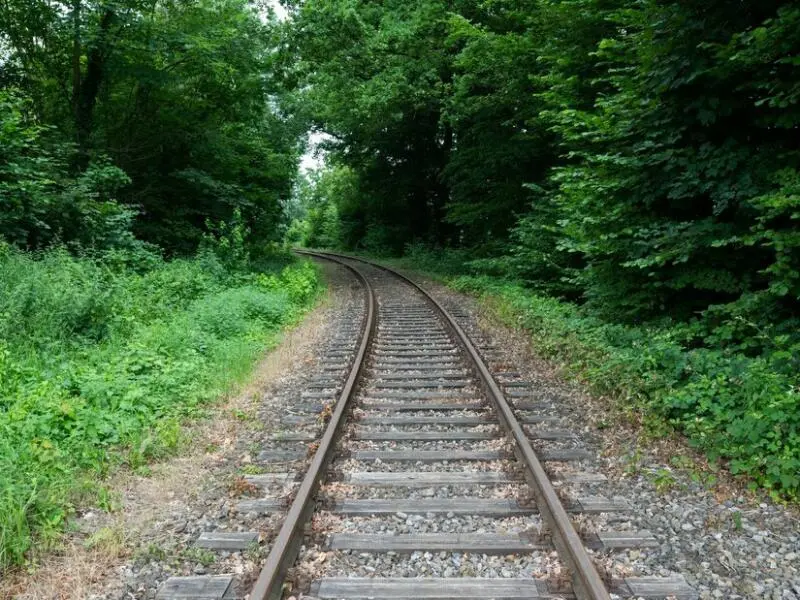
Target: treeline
[(638, 159), (144, 168), (150, 117)]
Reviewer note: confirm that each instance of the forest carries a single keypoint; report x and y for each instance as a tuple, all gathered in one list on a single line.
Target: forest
[(619, 178)]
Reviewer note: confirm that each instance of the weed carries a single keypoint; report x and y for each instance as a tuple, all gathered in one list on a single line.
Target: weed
[(253, 552), (662, 479), (312, 449), (153, 552), (203, 556), (108, 500), (143, 471), (736, 516), (326, 413), (633, 462), (108, 540), (241, 487), (241, 415), (100, 365), (681, 461), (252, 470)]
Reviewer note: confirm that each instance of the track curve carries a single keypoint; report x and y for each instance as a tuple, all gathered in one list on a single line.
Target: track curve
[(421, 355)]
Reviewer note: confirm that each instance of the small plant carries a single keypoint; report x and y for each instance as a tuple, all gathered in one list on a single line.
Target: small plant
[(736, 517), (312, 449), (108, 500), (204, 556), (681, 461), (633, 462), (252, 470), (108, 540), (240, 415), (326, 413), (253, 552), (663, 480), (154, 553), (143, 471)]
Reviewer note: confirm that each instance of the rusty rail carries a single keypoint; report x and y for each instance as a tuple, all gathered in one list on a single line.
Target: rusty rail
[(285, 547), (586, 581)]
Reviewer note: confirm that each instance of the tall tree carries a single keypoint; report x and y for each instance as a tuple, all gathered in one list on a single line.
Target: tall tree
[(374, 75), (177, 93)]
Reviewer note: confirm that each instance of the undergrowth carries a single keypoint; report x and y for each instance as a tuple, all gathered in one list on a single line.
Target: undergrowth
[(739, 409), (101, 361)]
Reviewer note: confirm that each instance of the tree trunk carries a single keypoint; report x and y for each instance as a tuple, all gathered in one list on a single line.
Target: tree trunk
[(88, 87), (443, 231), (76, 66)]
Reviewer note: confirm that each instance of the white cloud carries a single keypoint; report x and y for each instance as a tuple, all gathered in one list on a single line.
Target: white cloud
[(280, 11), (314, 157)]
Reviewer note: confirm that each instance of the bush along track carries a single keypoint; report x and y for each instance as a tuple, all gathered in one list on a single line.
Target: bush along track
[(101, 363), (743, 411)]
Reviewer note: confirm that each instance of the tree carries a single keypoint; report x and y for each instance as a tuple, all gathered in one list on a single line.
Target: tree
[(374, 76), (178, 94)]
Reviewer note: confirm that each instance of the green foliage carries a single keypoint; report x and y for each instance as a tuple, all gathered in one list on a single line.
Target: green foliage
[(324, 198), (129, 131), (743, 410), (175, 95), (374, 76), (229, 242), (493, 113), (99, 366), (639, 160), (41, 202)]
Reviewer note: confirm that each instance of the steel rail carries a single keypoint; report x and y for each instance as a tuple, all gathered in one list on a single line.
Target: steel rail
[(283, 553), (586, 581)]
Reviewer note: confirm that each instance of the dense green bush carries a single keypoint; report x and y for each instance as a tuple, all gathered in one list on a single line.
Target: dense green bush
[(41, 200), (744, 410), (99, 363)]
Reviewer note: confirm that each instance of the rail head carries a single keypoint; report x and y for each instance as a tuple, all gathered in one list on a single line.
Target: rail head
[(587, 582), (283, 553)]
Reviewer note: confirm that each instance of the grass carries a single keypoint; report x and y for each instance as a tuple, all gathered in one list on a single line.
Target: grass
[(102, 361)]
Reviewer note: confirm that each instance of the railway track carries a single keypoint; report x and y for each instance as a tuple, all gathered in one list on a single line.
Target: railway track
[(435, 477)]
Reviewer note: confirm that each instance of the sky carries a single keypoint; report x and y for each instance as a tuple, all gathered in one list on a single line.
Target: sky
[(313, 158), (280, 12)]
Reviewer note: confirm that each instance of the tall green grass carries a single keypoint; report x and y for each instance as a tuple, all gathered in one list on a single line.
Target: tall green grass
[(100, 361)]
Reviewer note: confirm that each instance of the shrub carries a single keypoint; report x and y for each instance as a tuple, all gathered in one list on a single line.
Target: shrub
[(744, 410), (237, 311), (99, 363), (41, 201)]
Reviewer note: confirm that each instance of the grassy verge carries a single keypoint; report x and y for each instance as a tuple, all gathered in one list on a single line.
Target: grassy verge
[(743, 411), (101, 362)]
